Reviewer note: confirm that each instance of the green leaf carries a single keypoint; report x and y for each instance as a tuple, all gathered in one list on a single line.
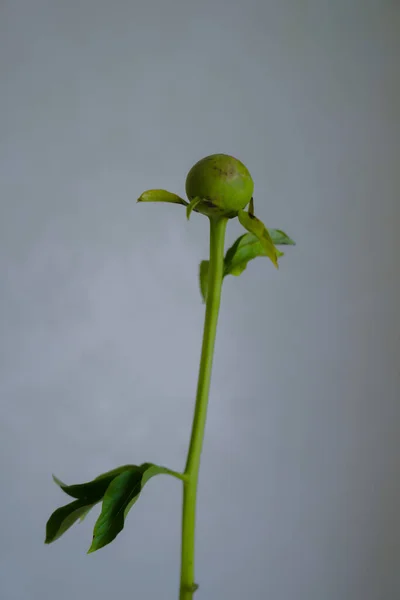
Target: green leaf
[(87, 494), (59, 482), (161, 196), (92, 491), (192, 206), (63, 518), (119, 498), (84, 515), (203, 279), (246, 248), (114, 472), (280, 238), (257, 227)]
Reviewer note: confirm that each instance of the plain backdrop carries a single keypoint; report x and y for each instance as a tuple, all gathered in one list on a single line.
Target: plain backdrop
[(100, 312)]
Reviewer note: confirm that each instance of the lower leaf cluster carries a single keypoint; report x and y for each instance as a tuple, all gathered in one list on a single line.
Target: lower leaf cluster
[(118, 490)]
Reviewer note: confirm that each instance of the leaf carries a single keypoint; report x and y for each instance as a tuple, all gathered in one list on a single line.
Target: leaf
[(192, 206), (280, 238), (161, 196), (87, 494), (257, 227), (203, 278), (119, 498), (63, 518), (59, 482), (114, 472), (84, 515), (92, 491), (246, 248)]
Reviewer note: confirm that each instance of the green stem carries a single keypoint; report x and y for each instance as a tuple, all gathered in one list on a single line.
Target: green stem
[(215, 277)]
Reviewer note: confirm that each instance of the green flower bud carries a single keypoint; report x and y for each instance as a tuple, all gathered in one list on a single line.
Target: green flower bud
[(222, 182)]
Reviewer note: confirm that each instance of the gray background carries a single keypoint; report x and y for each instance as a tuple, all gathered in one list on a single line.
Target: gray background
[(101, 318)]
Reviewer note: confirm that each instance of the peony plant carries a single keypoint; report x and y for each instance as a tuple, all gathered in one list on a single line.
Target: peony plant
[(219, 187)]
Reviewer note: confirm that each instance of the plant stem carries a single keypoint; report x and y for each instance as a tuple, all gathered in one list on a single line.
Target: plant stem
[(215, 277)]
